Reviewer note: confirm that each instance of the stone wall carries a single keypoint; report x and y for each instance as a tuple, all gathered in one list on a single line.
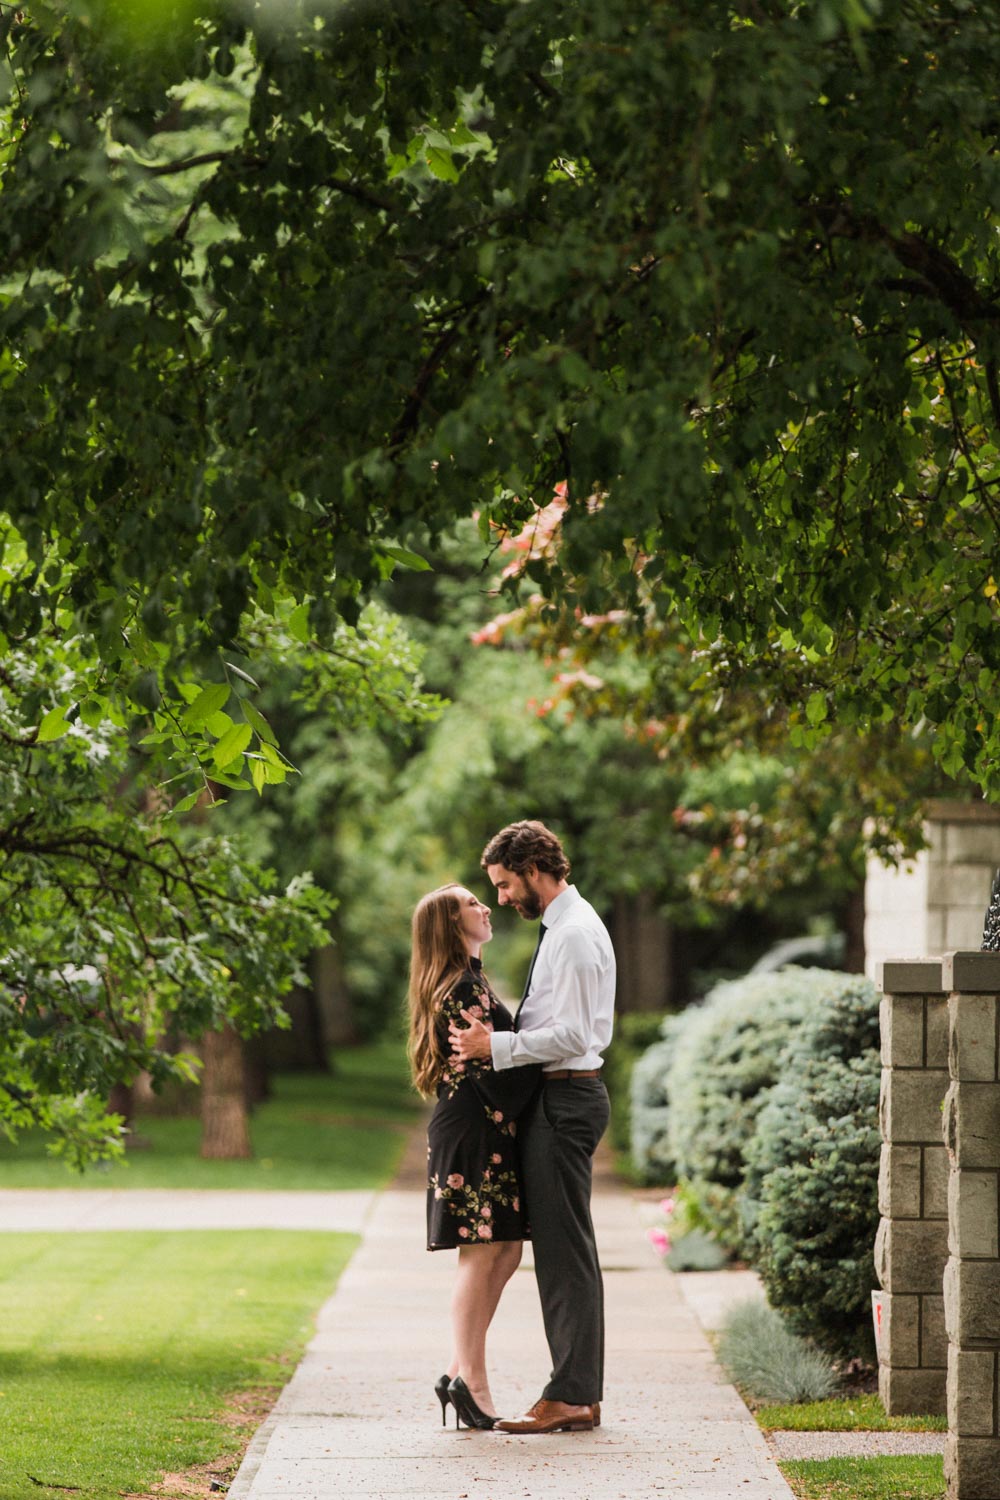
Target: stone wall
[(936, 901), (912, 1244), (938, 1247), (972, 1276)]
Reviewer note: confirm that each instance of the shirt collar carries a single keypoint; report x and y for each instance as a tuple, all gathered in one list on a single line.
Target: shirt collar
[(560, 905)]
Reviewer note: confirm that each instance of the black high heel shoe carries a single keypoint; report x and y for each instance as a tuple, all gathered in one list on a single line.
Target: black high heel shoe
[(441, 1392), (465, 1406)]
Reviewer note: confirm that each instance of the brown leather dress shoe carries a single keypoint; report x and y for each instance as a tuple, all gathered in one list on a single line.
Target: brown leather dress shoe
[(597, 1413), (550, 1416)]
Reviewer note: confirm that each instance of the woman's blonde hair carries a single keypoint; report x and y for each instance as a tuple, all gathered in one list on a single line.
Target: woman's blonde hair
[(439, 957)]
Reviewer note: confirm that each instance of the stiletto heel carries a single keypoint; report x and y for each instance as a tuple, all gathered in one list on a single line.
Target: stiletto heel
[(441, 1392), (466, 1407)]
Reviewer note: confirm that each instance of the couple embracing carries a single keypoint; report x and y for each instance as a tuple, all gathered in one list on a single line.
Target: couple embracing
[(521, 1107)]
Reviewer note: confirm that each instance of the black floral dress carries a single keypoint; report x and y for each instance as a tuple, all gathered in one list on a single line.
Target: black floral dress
[(473, 1190)]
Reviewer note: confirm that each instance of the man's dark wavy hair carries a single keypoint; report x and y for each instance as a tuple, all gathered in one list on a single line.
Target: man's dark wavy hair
[(521, 845)]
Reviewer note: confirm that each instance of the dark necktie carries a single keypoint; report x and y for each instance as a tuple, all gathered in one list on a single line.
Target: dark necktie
[(542, 930)]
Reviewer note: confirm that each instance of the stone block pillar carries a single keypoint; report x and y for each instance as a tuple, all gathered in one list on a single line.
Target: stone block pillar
[(972, 1276), (912, 1244)]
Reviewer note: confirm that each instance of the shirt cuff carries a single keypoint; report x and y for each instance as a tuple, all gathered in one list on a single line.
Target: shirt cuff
[(501, 1049)]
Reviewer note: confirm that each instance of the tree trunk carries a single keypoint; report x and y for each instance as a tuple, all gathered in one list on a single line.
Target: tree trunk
[(854, 931), (121, 1102), (225, 1129), (644, 943)]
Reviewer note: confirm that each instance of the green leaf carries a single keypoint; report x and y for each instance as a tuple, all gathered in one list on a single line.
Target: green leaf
[(816, 708), (209, 701), (298, 623), (218, 724), (408, 559), (258, 774), (259, 723), (186, 803), (441, 164), (232, 745), (53, 726), (232, 667), (92, 712)]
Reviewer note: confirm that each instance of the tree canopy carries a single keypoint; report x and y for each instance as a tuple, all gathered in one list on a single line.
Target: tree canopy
[(286, 289)]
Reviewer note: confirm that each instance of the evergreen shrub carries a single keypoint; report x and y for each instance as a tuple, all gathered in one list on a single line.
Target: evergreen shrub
[(725, 1059), (810, 1197), (635, 1032), (652, 1158)]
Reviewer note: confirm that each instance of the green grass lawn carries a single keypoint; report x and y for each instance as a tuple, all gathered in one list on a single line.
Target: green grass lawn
[(843, 1414), (127, 1356), (317, 1131), (866, 1478)]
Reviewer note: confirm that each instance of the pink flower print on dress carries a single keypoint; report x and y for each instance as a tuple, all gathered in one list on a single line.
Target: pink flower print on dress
[(456, 1180), (495, 1158), (516, 1205), (484, 1231), (439, 1192), (486, 1212), (498, 1116), (463, 1232)]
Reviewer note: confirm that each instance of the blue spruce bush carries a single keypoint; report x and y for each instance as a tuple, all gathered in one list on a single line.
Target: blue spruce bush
[(809, 1205)]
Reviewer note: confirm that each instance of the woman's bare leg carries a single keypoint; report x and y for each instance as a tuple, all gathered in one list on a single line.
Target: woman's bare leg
[(483, 1272)]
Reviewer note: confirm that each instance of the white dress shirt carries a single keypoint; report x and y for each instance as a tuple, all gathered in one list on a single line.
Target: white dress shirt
[(567, 1017)]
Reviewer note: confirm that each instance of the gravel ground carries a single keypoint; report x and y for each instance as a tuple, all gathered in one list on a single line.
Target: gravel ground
[(853, 1444)]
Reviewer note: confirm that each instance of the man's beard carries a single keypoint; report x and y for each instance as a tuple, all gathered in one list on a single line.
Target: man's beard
[(529, 906)]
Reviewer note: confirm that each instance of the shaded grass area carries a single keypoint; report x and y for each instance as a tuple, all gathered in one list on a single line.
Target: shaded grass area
[(866, 1478), (345, 1130), (843, 1414), (118, 1351)]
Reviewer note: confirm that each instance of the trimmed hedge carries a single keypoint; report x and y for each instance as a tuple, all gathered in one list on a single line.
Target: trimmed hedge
[(725, 1059), (635, 1032), (652, 1159), (765, 1101), (810, 1196)]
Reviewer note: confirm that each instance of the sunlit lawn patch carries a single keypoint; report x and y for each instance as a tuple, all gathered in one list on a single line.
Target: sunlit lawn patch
[(341, 1131), (843, 1414), (120, 1353), (866, 1478)]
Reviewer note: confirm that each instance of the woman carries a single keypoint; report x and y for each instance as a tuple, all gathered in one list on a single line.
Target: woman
[(474, 1200)]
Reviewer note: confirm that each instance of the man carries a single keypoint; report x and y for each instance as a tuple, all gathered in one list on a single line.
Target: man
[(564, 1023)]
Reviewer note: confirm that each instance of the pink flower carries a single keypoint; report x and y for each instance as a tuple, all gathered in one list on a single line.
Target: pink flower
[(484, 1231), (476, 1010), (512, 1128), (495, 1158), (667, 1206), (456, 1180), (516, 1205), (659, 1240), (486, 1212), (463, 1233), (439, 1192), (498, 1116)]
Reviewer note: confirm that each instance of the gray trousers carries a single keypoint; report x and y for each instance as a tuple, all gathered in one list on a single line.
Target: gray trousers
[(559, 1135)]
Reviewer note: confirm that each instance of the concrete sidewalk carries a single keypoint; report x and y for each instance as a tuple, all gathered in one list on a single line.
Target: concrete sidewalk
[(68, 1209), (360, 1419)]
